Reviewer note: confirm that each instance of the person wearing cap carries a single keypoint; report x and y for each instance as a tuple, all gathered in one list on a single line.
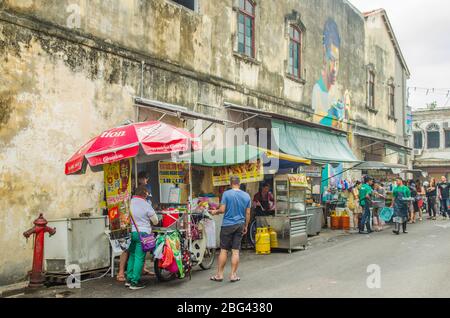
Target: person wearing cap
[(365, 201), (235, 206)]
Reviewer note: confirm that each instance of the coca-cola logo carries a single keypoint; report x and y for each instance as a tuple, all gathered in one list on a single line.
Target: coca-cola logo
[(146, 132), (115, 157)]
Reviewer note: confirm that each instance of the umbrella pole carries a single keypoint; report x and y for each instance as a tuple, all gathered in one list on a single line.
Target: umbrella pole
[(135, 173), (190, 205)]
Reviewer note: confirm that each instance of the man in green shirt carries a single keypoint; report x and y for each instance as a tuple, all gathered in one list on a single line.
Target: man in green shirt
[(401, 206), (365, 201)]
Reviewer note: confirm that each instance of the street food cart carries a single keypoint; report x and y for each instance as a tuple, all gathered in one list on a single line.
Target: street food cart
[(115, 150), (291, 217)]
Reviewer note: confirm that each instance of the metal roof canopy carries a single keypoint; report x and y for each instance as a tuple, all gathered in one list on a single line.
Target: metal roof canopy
[(380, 140), (177, 110), (377, 165), (270, 115)]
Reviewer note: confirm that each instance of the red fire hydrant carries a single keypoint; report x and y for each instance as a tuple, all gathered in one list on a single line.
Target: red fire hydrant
[(40, 227)]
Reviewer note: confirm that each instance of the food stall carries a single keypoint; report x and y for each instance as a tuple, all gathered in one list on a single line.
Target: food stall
[(118, 151), (254, 165), (313, 198), (290, 220), (384, 172)]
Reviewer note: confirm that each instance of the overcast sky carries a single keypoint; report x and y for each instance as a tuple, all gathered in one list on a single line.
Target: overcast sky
[(422, 28)]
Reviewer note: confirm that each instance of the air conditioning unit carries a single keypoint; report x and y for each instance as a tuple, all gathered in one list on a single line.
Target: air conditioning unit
[(418, 152)]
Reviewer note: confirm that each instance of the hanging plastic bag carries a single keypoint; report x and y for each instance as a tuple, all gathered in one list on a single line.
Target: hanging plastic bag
[(210, 230), (175, 244), (173, 268), (159, 249), (168, 256)]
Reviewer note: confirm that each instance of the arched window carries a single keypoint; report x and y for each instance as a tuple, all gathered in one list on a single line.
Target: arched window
[(246, 28), (295, 51), (433, 136)]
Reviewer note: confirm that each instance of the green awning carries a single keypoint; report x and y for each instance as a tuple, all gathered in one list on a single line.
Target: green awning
[(226, 157), (318, 145)]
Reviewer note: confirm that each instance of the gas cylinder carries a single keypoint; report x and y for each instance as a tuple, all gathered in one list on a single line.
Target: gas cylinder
[(273, 238), (262, 241)]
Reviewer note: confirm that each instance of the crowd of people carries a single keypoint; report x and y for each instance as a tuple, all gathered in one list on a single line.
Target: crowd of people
[(410, 201)]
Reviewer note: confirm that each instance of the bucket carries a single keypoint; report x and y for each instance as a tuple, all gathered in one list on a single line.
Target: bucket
[(335, 222), (169, 219), (345, 223)]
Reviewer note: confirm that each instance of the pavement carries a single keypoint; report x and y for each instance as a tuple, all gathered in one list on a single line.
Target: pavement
[(335, 264)]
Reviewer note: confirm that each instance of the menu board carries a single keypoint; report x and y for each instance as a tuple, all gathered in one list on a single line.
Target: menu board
[(173, 172), (311, 171), (298, 180), (173, 181), (117, 177), (247, 173)]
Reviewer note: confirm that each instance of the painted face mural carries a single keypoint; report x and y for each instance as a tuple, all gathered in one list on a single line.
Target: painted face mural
[(331, 107)]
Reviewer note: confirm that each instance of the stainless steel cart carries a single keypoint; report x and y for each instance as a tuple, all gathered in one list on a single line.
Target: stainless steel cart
[(290, 220)]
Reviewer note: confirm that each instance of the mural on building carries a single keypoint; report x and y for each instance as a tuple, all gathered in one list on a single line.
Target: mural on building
[(332, 109), (330, 106)]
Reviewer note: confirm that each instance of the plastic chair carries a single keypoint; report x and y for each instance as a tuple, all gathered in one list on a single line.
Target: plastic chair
[(115, 251)]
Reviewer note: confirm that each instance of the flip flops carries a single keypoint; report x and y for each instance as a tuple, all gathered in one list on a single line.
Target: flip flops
[(215, 279), (237, 279)]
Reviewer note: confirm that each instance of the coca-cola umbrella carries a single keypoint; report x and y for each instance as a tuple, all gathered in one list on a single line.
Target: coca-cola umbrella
[(124, 142)]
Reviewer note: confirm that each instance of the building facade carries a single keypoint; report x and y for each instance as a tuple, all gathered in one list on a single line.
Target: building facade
[(431, 141), (71, 69)]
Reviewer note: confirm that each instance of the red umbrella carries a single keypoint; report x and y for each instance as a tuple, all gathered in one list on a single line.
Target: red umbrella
[(155, 138)]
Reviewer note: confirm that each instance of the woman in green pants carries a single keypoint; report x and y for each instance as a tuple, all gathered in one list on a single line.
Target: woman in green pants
[(142, 217)]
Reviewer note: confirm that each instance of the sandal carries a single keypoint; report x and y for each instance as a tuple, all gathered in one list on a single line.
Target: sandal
[(146, 272), (237, 279), (215, 279), (121, 278)]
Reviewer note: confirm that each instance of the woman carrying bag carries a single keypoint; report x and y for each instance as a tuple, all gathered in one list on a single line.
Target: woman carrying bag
[(400, 204), (141, 215)]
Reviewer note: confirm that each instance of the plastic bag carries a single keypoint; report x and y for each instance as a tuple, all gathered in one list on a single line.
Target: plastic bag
[(158, 252), (386, 214), (175, 245), (210, 230), (168, 256)]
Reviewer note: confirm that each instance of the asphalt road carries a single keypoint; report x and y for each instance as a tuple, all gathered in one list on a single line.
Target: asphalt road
[(410, 265)]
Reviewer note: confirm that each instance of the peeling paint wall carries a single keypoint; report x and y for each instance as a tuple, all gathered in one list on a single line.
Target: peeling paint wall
[(70, 69), (382, 56)]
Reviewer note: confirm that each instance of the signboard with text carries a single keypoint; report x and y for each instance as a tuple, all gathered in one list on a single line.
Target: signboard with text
[(247, 173)]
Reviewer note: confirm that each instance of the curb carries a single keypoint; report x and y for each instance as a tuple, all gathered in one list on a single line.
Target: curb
[(13, 290)]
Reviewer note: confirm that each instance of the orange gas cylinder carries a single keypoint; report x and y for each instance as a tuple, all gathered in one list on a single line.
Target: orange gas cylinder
[(345, 223), (335, 220)]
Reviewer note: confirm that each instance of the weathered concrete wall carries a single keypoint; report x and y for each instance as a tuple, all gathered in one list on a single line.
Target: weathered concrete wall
[(53, 95), (71, 68), (422, 119), (382, 56), (204, 42)]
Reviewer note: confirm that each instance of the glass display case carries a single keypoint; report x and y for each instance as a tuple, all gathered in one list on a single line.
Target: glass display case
[(290, 220)]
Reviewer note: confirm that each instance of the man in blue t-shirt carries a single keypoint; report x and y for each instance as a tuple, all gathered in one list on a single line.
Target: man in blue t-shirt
[(236, 206)]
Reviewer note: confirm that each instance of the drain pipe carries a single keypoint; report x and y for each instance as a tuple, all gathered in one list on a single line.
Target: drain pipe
[(141, 90)]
